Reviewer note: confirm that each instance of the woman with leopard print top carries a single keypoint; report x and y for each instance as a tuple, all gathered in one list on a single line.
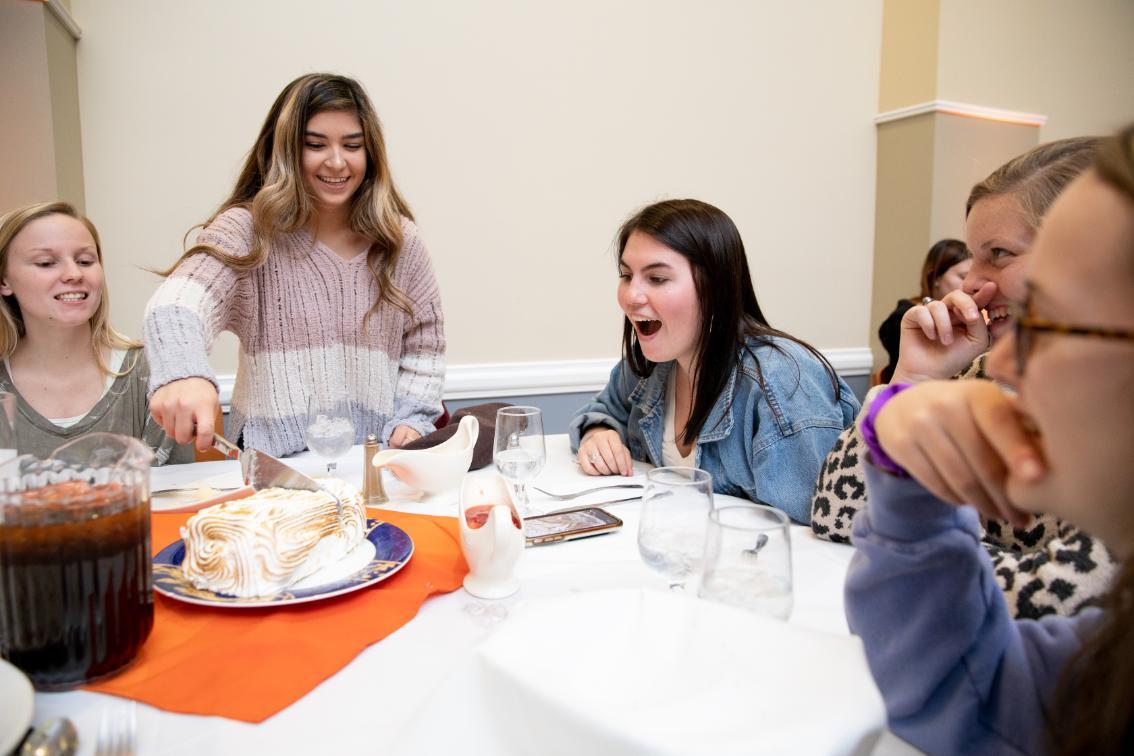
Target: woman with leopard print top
[(1047, 566)]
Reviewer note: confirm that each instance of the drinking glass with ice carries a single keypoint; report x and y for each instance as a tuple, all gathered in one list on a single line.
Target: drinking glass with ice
[(330, 429)]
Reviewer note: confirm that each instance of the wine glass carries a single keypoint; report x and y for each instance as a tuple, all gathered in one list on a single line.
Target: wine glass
[(518, 449), (330, 429), (675, 513), (748, 559)]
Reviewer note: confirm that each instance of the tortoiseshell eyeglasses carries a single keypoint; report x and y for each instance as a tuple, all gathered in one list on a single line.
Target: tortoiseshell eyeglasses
[(1025, 326)]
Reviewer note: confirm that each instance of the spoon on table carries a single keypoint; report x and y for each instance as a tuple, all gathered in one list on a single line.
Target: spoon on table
[(761, 542), (55, 737)]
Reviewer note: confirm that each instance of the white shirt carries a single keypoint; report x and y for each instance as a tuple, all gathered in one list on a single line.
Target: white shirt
[(671, 456)]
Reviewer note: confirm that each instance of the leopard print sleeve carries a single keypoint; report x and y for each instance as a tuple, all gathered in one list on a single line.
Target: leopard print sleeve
[(1048, 567), (841, 489)]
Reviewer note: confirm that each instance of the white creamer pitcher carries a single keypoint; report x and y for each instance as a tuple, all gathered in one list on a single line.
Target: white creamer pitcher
[(492, 536), (436, 469)]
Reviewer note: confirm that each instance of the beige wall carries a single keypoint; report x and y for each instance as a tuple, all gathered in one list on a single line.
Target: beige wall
[(40, 141), (1070, 61), (27, 148), (909, 53), (66, 131), (522, 134), (965, 151), (904, 212)]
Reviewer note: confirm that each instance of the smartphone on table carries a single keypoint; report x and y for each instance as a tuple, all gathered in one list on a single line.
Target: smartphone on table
[(565, 526)]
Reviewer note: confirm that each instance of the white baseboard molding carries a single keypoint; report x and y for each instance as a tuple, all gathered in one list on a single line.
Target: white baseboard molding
[(962, 109), (489, 380)]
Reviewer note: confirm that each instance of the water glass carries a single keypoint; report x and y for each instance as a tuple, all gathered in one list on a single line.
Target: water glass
[(748, 559), (330, 428), (518, 449), (675, 511)]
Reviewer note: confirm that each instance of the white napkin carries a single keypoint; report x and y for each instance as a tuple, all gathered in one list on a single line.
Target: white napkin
[(631, 671)]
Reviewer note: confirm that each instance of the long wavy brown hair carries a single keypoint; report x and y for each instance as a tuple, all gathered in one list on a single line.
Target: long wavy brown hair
[(272, 188), (1094, 704), (103, 335)]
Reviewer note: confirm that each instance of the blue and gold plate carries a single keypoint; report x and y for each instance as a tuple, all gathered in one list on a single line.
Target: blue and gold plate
[(386, 549)]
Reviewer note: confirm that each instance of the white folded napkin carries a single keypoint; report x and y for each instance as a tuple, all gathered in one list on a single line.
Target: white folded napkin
[(632, 671)]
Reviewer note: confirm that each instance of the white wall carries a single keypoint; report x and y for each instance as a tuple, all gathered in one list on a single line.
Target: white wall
[(522, 134)]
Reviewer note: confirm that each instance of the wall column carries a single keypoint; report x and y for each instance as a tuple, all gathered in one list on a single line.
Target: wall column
[(42, 147), (930, 153)]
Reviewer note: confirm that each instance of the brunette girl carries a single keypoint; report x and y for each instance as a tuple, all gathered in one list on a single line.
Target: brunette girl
[(705, 381), (314, 262), (944, 270)]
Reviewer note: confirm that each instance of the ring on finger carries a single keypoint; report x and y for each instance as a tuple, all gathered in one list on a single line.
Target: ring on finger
[(926, 300), (594, 457)]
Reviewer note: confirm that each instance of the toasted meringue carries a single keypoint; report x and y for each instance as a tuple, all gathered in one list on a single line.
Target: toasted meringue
[(261, 544)]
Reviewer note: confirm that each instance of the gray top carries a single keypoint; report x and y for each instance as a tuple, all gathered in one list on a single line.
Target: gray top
[(123, 409)]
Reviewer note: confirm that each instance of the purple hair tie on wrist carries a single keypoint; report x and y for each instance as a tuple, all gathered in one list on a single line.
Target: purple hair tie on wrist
[(878, 455)]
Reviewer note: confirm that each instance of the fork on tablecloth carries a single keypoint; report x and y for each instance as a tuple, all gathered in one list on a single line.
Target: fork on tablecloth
[(117, 730), (577, 494)]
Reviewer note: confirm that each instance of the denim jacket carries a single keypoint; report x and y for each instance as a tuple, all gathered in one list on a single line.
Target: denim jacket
[(762, 443)]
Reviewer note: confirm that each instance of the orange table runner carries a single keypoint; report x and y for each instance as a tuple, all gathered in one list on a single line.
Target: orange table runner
[(248, 664)]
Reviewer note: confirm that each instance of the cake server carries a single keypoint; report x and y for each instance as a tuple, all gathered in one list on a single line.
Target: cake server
[(261, 470)]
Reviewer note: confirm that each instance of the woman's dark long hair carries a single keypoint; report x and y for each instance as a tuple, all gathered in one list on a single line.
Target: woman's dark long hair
[(941, 257), (1094, 704), (730, 314)]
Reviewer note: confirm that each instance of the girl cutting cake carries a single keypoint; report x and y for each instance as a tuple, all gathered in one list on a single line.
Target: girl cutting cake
[(314, 262)]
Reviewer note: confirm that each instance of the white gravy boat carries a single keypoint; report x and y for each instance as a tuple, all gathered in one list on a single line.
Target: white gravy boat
[(492, 536), (437, 469)]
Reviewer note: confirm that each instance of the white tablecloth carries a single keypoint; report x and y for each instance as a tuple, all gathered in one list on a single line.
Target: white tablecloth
[(380, 700)]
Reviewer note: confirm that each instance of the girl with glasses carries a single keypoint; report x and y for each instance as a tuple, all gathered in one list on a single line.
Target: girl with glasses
[(957, 672), (1044, 565)]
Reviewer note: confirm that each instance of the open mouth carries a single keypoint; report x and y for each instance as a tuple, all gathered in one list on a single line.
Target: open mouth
[(72, 296), (647, 327), (336, 182), (998, 314)]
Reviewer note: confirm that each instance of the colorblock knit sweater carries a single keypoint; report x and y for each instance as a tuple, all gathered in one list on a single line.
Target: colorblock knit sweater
[(299, 320)]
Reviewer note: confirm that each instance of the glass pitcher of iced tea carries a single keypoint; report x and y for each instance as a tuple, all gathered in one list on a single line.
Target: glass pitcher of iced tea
[(75, 579)]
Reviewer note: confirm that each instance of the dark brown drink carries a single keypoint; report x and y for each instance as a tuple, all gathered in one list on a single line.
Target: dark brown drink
[(75, 580)]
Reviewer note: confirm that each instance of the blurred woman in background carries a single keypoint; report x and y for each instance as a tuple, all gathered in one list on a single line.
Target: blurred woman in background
[(943, 271)]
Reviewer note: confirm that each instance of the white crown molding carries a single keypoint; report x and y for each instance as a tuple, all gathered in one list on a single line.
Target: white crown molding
[(962, 109), (63, 16), (500, 379)]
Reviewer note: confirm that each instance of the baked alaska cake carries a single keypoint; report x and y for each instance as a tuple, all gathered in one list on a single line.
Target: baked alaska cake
[(261, 544)]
